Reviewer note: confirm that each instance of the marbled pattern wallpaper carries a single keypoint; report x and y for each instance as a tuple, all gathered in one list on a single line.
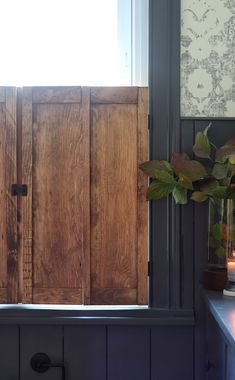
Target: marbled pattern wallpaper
[(208, 58)]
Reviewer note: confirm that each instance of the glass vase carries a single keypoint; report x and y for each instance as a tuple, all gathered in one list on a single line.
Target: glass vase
[(221, 242)]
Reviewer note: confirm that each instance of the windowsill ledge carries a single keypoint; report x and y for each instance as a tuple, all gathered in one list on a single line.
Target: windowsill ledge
[(77, 314)]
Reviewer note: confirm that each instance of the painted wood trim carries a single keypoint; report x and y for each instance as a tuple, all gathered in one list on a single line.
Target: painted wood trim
[(11, 202), (85, 352), (187, 227), (164, 74), (27, 229), (46, 339), (128, 352), (9, 352)]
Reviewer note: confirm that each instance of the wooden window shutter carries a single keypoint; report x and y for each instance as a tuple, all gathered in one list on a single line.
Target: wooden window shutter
[(118, 196), (55, 215), (8, 204), (82, 229)]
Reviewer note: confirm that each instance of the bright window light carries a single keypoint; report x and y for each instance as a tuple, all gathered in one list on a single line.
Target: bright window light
[(66, 42)]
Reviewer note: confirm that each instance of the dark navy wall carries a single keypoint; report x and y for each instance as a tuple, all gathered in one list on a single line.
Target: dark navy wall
[(99, 352)]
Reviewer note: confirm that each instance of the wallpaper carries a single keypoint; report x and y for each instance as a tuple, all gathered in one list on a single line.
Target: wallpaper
[(208, 58)]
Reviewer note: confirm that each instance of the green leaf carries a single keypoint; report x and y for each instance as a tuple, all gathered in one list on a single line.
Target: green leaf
[(220, 252), (220, 171), (224, 153), (185, 182), (191, 169), (164, 176), (158, 190), (180, 195), (219, 192), (217, 231), (150, 167), (202, 146), (198, 196)]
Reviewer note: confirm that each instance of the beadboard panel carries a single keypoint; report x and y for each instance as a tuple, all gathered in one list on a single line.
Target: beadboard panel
[(99, 352), (9, 352), (40, 339), (172, 353), (128, 353), (85, 352)]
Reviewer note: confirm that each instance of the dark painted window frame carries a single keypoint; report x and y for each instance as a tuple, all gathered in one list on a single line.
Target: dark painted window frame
[(164, 108), (165, 282)]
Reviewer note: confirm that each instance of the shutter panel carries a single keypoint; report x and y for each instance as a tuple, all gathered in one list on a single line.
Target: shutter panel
[(55, 162), (8, 203), (118, 205)]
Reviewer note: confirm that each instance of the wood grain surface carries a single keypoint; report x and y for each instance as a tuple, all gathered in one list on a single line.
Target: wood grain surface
[(8, 204), (114, 95), (115, 215), (27, 232), (56, 95), (82, 229), (11, 202), (56, 162), (142, 204), (3, 240)]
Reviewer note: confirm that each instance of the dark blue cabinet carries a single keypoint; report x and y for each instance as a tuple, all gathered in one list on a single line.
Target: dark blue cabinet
[(220, 352)]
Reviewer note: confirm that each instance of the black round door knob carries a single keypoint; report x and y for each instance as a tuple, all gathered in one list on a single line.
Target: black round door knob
[(40, 362)]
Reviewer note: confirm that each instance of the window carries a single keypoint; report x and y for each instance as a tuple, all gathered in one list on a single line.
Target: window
[(74, 42), (82, 228)]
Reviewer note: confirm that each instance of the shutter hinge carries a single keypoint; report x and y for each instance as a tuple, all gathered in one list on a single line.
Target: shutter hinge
[(149, 268), (19, 190)]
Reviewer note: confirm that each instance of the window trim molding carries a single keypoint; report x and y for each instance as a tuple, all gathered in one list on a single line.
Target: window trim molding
[(164, 94)]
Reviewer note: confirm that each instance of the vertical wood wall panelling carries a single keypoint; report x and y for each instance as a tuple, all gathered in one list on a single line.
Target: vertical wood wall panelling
[(174, 143), (187, 227), (114, 210), (27, 227), (3, 240), (85, 352), (9, 352), (60, 175), (164, 74), (45, 339), (11, 202), (159, 148), (129, 353), (142, 217), (172, 353)]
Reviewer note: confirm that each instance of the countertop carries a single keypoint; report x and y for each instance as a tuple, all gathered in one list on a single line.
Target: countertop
[(223, 309)]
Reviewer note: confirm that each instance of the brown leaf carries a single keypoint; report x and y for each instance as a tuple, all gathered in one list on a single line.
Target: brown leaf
[(182, 165)]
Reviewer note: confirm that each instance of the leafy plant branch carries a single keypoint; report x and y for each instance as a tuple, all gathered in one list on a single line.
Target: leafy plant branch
[(185, 178)]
